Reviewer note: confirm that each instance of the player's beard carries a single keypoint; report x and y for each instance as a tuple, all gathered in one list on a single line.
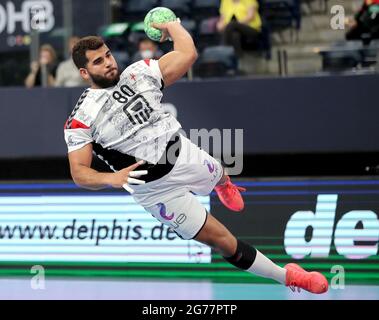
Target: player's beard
[(104, 82)]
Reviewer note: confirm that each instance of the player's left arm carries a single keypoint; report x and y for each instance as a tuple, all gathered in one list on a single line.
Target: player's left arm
[(176, 64)]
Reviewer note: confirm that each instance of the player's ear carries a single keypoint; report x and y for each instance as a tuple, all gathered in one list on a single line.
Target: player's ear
[(84, 74)]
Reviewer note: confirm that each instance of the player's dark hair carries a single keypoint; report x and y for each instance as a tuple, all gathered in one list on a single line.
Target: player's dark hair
[(85, 44)]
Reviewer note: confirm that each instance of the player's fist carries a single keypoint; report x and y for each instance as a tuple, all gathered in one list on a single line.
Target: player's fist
[(165, 28)]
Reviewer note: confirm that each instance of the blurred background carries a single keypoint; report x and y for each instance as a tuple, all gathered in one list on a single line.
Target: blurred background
[(283, 38), (300, 77)]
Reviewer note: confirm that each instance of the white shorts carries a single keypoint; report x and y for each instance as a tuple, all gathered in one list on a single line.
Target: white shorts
[(171, 198)]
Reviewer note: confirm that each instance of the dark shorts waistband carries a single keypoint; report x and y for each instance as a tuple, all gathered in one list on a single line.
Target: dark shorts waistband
[(166, 163)]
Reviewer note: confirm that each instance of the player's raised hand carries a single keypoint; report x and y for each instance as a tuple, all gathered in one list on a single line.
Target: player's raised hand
[(165, 28), (126, 177)]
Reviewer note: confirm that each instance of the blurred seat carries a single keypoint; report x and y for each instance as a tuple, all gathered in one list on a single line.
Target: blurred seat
[(370, 54), (190, 26), (206, 8), (342, 56), (350, 44), (347, 55), (136, 32), (216, 61), (207, 33), (115, 36), (182, 8), (13, 68), (321, 8), (114, 29), (136, 10), (337, 61), (282, 14)]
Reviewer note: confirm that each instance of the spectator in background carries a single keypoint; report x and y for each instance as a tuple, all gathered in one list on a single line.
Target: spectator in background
[(366, 21), (47, 63), (147, 49), (67, 73), (239, 22)]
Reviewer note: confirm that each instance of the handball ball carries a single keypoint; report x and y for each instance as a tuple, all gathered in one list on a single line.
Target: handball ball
[(157, 15)]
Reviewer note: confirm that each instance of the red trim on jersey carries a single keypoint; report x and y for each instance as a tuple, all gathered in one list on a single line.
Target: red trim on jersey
[(75, 124), (147, 61)]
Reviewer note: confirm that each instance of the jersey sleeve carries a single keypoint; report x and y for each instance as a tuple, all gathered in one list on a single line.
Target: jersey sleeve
[(77, 135), (150, 68), (154, 70)]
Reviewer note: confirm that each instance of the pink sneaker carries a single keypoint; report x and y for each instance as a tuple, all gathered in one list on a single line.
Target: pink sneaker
[(229, 194), (297, 277)]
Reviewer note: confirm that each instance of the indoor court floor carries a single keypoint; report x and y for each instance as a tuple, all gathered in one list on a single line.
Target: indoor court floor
[(121, 289)]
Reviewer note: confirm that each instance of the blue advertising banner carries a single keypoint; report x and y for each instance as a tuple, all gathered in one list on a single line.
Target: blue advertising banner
[(324, 224)]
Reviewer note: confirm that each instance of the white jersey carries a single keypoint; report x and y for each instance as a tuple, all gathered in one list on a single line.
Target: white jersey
[(125, 122)]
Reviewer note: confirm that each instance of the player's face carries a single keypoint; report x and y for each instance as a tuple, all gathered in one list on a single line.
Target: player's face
[(102, 69)]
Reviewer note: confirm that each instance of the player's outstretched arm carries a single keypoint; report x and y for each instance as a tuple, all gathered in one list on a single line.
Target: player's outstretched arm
[(176, 64), (88, 178)]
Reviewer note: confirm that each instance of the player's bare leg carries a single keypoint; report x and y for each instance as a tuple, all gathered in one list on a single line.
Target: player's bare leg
[(229, 194), (246, 257)]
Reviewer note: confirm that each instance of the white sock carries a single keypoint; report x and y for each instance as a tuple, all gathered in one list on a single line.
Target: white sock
[(264, 267)]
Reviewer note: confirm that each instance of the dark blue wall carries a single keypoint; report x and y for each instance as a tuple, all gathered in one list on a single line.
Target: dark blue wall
[(284, 115)]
